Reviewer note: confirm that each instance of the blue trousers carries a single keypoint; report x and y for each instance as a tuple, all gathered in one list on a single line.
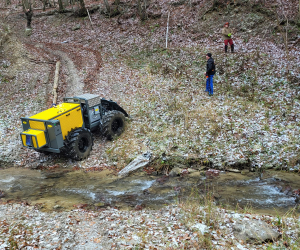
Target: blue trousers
[(209, 85)]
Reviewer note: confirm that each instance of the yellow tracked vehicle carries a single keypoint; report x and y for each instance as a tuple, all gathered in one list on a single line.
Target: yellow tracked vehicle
[(67, 127)]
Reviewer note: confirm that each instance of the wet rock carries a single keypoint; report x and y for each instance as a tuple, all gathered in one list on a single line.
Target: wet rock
[(99, 204), (279, 187), (234, 170), (28, 32), (53, 174), (79, 206), (154, 173), (57, 207), (245, 171), (184, 172), (254, 231), (163, 179), (217, 196), (139, 207), (175, 172), (201, 167), (2, 194), (179, 165), (77, 27), (139, 162), (268, 166), (146, 192), (211, 173), (287, 190), (195, 174), (191, 170)]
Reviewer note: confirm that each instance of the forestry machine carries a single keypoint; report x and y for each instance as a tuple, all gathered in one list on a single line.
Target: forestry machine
[(67, 127)]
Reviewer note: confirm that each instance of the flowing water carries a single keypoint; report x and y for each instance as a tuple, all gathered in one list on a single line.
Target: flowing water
[(64, 189)]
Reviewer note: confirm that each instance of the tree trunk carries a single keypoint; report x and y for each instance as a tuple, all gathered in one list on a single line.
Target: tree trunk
[(25, 4), (139, 7), (60, 6), (107, 6), (82, 5), (142, 7), (29, 15), (82, 11)]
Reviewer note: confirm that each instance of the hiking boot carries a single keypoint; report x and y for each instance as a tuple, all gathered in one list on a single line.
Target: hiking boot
[(226, 47), (232, 48)]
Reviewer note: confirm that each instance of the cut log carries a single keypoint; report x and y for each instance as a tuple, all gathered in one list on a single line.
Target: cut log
[(56, 82)]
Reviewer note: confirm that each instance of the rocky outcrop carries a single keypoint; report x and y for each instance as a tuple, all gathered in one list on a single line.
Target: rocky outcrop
[(254, 231)]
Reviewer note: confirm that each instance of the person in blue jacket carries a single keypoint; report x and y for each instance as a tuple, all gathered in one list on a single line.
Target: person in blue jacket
[(210, 72)]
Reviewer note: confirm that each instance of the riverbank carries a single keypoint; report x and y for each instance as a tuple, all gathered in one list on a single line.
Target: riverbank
[(192, 226), (61, 209)]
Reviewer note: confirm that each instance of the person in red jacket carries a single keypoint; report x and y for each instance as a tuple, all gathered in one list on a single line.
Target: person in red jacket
[(227, 33), (29, 14)]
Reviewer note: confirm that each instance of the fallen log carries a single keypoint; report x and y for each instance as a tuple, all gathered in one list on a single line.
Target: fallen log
[(56, 82)]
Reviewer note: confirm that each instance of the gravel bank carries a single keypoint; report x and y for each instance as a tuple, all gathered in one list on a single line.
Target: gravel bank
[(27, 228)]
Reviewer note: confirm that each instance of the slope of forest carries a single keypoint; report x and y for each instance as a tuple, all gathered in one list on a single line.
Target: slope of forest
[(119, 52), (252, 120)]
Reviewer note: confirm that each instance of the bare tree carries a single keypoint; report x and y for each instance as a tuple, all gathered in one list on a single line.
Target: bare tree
[(44, 4), (142, 8), (27, 8), (82, 10), (112, 10), (107, 6), (60, 6)]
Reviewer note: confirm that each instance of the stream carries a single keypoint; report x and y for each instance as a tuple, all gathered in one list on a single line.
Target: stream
[(269, 193)]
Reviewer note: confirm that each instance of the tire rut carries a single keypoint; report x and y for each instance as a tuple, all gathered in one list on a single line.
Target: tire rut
[(75, 83)]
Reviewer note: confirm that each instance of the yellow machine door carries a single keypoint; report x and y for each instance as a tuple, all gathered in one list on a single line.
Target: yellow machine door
[(70, 121)]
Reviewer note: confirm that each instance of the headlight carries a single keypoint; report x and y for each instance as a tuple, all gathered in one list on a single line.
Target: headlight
[(28, 140)]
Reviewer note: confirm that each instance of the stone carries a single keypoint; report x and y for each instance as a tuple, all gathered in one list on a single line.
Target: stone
[(211, 173), (191, 170), (139, 162), (2, 194), (175, 172), (99, 204), (28, 32), (77, 27), (268, 166), (195, 174), (245, 171), (201, 227), (217, 196), (233, 170), (57, 207), (201, 167), (254, 231)]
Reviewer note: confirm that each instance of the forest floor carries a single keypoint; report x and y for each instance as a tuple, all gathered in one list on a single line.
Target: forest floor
[(251, 121)]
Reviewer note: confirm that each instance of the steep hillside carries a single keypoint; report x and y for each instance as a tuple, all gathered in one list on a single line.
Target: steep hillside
[(251, 121)]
